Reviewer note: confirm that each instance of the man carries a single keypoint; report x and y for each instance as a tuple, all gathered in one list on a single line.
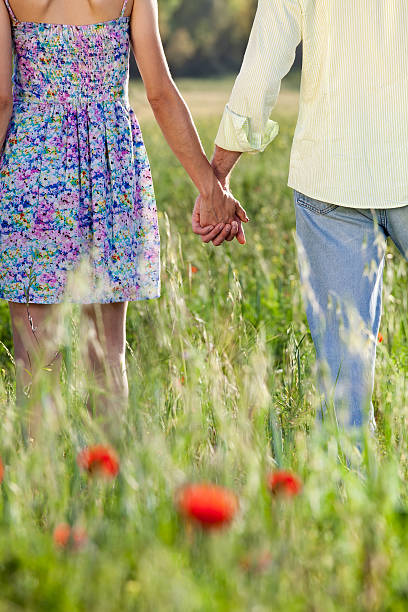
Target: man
[(348, 168)]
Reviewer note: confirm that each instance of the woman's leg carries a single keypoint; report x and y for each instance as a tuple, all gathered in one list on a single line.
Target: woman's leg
[(104, 334), (37, 356), (341, 258)]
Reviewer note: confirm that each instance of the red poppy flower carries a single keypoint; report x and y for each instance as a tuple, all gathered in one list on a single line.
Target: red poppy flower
[(67, 537), (1, 471), (256, 563), (79, 536), (194, 270), (209, 505), (284, 483), (100, 460), (61, 535), (380, 337)]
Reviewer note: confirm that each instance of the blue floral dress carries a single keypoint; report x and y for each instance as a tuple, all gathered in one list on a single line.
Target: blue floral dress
[(78, 218)]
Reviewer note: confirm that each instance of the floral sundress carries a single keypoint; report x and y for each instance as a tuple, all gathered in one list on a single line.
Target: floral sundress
[(78, 217)]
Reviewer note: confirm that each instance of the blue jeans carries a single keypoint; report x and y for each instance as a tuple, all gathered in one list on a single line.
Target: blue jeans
[(341, 253)]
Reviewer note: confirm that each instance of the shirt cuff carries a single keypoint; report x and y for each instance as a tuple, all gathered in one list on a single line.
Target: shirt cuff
[(235, 134)]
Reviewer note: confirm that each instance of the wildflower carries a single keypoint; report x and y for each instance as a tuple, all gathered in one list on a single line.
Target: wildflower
[(380, 337), (66, 537), (79, 536), (99, 459), (284, 483), (256, 563), (61, 535), (194, 270), (209, 505)]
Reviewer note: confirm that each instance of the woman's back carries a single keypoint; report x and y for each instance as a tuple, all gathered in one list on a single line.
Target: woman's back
[(75, 12)]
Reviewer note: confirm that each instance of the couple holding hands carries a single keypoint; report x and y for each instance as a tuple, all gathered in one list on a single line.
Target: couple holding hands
[(75, 181)]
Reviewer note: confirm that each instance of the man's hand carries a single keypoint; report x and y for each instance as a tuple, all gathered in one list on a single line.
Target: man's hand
[(220, 231), (220, 206), (217, 215)]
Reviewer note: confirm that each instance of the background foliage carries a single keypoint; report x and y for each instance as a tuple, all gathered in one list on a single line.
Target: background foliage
[(208, 37)]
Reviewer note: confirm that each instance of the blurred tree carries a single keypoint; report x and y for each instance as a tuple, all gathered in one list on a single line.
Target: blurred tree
[(208, 37)]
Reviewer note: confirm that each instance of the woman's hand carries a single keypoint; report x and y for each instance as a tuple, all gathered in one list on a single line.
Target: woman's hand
[(222, 164)]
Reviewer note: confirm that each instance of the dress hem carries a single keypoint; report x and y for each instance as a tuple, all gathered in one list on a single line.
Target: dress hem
[(81, 303)]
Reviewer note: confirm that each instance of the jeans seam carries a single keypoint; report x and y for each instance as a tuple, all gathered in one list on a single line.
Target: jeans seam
[(385, 219), (312, 208)]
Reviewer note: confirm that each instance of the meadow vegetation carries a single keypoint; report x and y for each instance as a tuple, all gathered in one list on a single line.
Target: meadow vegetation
[(222, 390)]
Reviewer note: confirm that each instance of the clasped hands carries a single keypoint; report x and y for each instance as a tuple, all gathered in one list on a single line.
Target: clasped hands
[(218, 216)]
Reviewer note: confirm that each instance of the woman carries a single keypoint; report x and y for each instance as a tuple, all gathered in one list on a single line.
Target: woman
[(75, 183)]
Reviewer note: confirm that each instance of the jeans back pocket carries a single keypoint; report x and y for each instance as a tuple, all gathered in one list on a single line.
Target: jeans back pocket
[(316, 206)]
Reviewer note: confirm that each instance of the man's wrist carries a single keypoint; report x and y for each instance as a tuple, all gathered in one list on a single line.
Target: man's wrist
[(223, 162), (221, 174)]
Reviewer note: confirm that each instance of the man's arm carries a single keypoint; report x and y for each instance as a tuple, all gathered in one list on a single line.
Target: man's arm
[(246, 126)]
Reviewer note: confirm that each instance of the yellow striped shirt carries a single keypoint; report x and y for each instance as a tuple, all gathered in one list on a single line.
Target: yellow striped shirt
[(351, 141)]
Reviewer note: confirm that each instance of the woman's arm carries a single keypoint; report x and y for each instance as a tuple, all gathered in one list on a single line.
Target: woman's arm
[(216, 205), (6, 67)]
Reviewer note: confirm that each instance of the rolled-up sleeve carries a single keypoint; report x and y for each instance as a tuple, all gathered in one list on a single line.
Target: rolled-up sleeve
[(276, 32)]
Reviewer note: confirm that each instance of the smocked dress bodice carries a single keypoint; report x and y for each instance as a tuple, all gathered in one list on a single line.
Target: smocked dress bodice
[(72, 64)]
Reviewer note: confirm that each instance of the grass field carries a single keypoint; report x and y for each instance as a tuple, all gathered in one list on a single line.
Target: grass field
[(221, 389)]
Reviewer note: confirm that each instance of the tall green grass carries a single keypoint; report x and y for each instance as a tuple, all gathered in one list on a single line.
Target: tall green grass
[(221, 389)]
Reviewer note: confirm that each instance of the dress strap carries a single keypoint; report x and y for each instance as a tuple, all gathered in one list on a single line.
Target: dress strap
[(10, 10), (124, 8)]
